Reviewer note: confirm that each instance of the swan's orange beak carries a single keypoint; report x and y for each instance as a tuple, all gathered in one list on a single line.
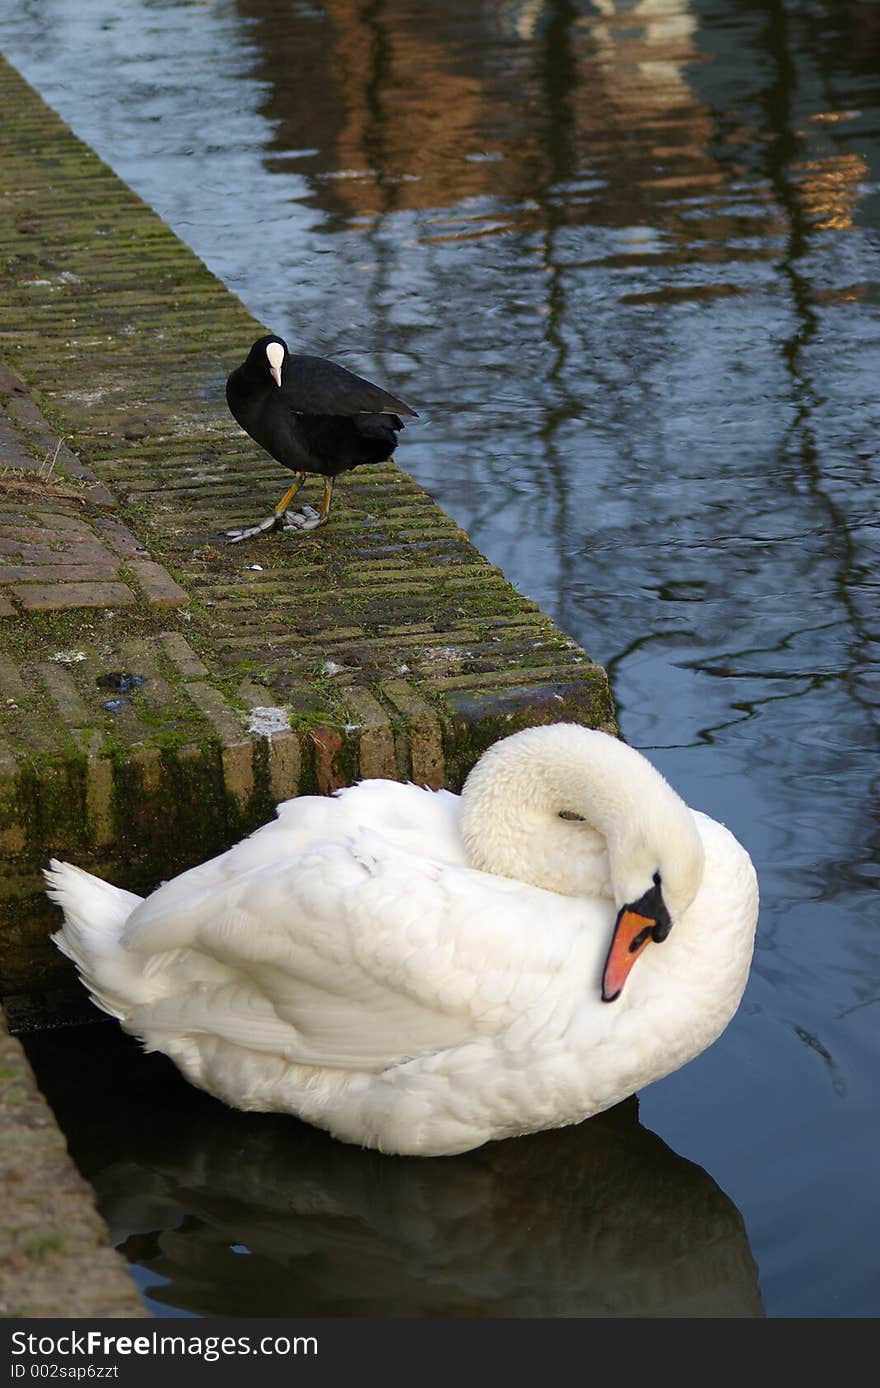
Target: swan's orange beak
[(631, 934)]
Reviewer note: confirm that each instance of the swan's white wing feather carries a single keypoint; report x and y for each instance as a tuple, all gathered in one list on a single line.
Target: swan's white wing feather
[(361, 955), (421, 821)]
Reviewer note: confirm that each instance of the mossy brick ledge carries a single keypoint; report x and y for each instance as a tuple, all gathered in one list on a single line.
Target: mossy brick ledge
[(55, 1259), (383, 645)]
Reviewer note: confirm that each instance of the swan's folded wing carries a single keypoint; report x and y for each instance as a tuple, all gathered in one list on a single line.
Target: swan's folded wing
[(404, 814), (358, 955)]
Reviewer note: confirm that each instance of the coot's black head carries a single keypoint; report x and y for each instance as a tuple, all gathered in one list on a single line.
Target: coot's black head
[(267, 356)]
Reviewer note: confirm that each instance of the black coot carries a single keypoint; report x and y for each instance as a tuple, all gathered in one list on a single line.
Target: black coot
[(312, 416)]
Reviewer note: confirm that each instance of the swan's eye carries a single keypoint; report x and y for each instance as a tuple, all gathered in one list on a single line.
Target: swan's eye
[(571, 815)]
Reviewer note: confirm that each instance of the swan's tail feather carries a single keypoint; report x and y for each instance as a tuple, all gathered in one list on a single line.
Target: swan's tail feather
[(95, 913)]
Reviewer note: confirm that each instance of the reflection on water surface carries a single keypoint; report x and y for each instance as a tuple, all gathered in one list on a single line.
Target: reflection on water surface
[(243, 1214), (622, 257)]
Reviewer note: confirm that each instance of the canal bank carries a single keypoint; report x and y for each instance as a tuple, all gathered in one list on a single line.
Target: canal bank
[(160, 690)]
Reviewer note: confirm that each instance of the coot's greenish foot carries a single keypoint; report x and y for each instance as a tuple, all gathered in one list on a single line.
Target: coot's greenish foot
[(311, 415)]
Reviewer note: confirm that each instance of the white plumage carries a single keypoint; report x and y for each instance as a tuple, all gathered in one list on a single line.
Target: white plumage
[(421, 972)]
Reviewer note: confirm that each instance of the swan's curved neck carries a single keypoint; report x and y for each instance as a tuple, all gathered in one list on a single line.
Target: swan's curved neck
[(517, 803)]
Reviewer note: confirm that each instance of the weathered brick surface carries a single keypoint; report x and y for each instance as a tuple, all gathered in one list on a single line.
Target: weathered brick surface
[(376, 746), (178, 650), (385, 642), (157, 585), (58, 597), (57, 551), (54, 1256)]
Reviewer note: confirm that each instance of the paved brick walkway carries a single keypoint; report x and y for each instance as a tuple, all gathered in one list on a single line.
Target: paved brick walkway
[(384, 644), (159, 690), (57, 549)]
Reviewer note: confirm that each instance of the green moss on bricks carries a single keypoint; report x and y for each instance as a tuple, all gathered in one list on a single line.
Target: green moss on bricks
[(329, 753), (53, 805), (382, 592), (262, 805), (347, 760), (481, 717), (171, 813), (44, 1243)]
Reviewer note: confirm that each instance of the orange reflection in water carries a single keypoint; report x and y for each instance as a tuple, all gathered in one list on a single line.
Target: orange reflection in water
[(830, 189)]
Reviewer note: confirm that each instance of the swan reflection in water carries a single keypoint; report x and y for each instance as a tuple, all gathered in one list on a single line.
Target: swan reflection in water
[(230, 1213)]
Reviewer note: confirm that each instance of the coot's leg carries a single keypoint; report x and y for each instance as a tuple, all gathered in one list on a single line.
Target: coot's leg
[(273, 522), (308, 518)]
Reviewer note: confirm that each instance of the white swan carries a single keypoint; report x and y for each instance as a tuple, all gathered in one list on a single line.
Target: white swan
[(421, 972)]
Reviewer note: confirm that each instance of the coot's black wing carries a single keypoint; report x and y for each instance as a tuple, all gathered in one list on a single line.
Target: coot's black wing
[(313, 385)]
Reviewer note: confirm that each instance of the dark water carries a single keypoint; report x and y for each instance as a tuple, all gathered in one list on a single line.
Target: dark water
[(623, 259), (243, 1214)]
